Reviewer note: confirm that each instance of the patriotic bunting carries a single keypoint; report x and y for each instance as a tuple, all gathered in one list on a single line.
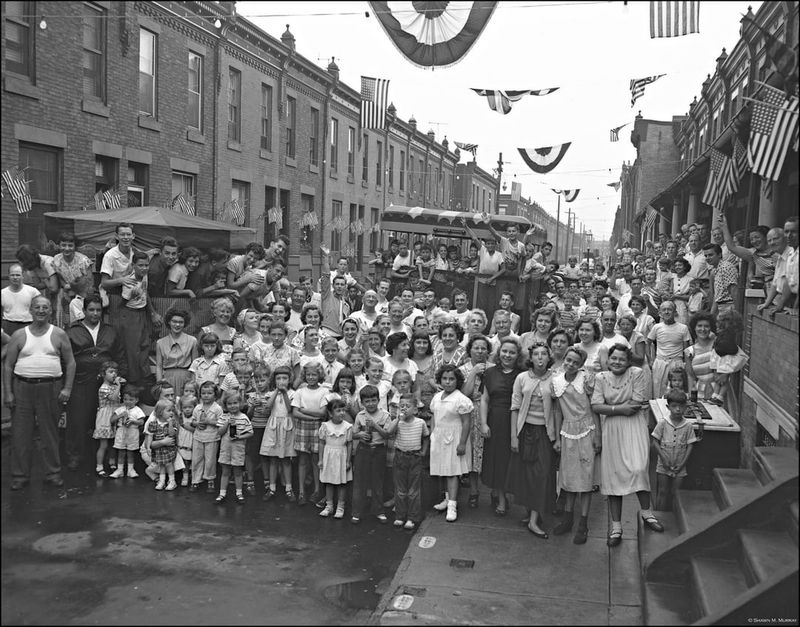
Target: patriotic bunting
[(17, 186), (374, 100), (500, 100), (674, 19), (473, 148), (544, 160), (568, 194), (275, 216), (357, 227), (339, 224), (772, 131), (237, 212), (638, 84), (715, 192), (614, 132), (348, 251), (433, 34)]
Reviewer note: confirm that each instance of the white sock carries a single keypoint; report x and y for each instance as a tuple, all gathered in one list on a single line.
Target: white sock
[(223, 491), (646, 513), (616, 525)]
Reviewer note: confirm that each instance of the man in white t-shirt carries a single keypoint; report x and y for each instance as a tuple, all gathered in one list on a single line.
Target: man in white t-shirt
[(366, 316), (511, 247), (696, 258), (665, 345), (461, 312), (298, 300), (384, 285), (403, 262), (16, 301)]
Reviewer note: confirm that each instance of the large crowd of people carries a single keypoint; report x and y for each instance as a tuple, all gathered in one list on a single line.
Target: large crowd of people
[(367, 386)]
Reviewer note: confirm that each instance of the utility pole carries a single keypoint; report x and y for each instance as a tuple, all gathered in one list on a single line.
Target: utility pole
[(558, 224), (499, 178), (569, 226)]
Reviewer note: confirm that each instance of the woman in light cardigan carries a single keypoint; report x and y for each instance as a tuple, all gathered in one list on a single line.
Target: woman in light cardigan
[(534, 434)]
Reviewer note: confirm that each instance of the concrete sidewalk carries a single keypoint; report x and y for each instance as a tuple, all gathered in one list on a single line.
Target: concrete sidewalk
[(487, 570)]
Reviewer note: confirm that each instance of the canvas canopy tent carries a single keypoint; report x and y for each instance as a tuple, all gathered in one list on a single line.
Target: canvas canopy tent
[(150, 224)]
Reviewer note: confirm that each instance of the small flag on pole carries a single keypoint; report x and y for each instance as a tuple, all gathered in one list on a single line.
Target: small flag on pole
[(638, 84), (111, 199), (650, 217), (374, 100), (182, 204), (715, 192), (100, 201), (614, 132), (14, 178), (772, 131), (568, 194), (473, 148), (674, 19)]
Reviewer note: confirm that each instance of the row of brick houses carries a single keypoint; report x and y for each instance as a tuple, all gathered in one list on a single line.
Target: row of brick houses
[(159, 98), (670, 174)]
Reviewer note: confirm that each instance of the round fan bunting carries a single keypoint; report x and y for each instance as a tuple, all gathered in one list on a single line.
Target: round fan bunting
[(544, 160), (436, 33)]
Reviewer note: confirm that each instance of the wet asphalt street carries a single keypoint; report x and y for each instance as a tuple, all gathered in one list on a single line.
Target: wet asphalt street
[(117, 552)]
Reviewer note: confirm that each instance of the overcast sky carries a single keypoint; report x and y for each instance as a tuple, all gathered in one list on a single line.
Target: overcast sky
[(590, 50)]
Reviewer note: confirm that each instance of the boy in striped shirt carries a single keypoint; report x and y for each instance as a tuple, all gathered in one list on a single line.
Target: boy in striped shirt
[(411, 446)]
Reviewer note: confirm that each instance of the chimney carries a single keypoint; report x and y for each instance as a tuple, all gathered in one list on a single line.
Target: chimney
[(333, 68), (445, 143), (288, 39), (391, 109), (413, 122)]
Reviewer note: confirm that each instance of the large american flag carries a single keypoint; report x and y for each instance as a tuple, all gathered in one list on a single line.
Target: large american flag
[(637, 86), (473, 148), (716, 190), (14, 178), (673, 19), (111, 199), (183, 204), (772, 132), (614, 132), (650, 217), (374, 100), (738, 167)]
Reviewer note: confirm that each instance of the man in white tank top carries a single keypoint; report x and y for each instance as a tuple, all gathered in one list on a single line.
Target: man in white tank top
[(37, 380)]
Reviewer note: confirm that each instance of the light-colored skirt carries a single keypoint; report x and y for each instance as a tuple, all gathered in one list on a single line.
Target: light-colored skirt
[(626, 455)]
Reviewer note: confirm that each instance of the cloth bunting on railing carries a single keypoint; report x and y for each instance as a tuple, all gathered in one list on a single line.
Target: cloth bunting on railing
[(568, 194), (376, 227), (544, 160), (500, 100), (275, 216), (309, 220), (339, 224), (357, 227), (433, 34), (17, 186)]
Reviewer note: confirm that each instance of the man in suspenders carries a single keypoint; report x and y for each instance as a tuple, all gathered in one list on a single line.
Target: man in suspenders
[(37, 378)]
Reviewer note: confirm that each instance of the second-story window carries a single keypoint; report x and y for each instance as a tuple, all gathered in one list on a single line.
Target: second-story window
[(19, 38), (351, 151), (266, 117), (148, 63), (365, 162), (313, 149), (291, 125), (379, 165), (234, 105), (391, 167), (402, 170), (195, 92), (334, 145), (94, 52)]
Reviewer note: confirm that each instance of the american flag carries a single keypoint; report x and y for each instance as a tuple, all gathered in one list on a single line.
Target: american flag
[(737, 167), (627, 236), (637, 86), (772, 132), (500, 99), (673, 19), (100, 201), (614, 132), (473, 148), (14, 178), (183, 204), (716, 191), (111, 199), (374, 100), (237, 211), (650, 217)]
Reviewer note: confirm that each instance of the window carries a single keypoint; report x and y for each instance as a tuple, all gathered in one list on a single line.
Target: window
[(353, 218), (19, 38), (307, 235), (489, 207), (336, 236), (234, 105), (44, 173), (241, 191), (391, 167), (291, 125), (379, 166), (137, 184), (374, 236), (266, 117), (106, 171), (270, 201), (427, 180), (195, 92), (351, 151), (420, 181), (313, 153), (285, 200), (334, 145), (402, 170), (94, 52), (184, 183), (147, 72), (360, 242), (365, 161), (440, 186)]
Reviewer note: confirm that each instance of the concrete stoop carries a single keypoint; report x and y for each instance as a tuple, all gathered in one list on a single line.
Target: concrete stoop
[(729, 555)]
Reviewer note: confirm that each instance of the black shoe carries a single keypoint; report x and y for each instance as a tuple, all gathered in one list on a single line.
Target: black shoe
[(652, 522), (56, 482), (614, 538), (19, 484), (565, 525), (580, 535)]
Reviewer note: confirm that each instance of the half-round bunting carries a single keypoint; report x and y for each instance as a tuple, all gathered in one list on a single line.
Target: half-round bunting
[(544, 160), (433, 34), (569, 194)]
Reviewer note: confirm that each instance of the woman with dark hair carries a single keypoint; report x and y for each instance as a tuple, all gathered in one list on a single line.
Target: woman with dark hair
[(397, 349), (448, 350), (608, 302), (498, 383), (589, 336), (421, 354), (179, 272), (450, 450), (70, 266), (644, 321), (474, 370), (533, 436), (311, 316), (620, 395), (558, 342), (176, 351), (38, 270), (93, 343), (680, 289), (702, 326), (543, 321), (761, 265)]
